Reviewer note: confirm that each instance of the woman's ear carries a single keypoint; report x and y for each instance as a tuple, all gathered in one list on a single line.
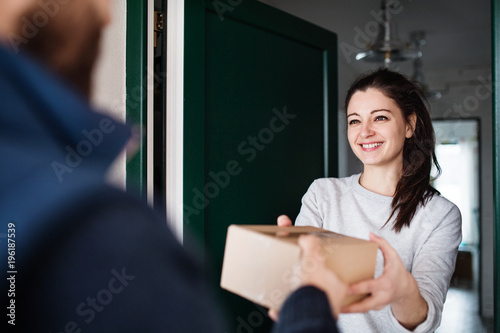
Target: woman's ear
[(410, 125)]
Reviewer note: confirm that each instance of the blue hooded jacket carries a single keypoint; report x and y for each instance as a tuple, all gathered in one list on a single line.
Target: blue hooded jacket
[(53, 147)]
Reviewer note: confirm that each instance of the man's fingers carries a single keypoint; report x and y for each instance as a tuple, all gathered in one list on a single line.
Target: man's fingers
[(273, 314), (312, 251), (309, 243), (284, 221)]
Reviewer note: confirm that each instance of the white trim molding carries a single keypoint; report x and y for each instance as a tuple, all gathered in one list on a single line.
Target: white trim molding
[(175, 116)]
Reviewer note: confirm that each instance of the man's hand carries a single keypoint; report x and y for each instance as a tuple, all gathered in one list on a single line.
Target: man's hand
[(313, 272)]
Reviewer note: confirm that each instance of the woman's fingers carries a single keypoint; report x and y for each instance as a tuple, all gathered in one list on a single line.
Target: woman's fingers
[(363, 287), (385, 247), (367, 304), (382, 243), (377, 297), (284, 221)]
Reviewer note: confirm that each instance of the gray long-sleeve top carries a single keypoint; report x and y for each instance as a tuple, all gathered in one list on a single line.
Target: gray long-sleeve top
[(428, 248)]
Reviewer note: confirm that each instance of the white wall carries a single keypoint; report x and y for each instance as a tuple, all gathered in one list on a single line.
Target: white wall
[(109, 88)]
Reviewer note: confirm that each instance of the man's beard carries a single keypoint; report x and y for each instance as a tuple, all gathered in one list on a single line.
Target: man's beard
[(69, 43)]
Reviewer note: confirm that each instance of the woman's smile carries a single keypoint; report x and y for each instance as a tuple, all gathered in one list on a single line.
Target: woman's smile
[(367, 147)]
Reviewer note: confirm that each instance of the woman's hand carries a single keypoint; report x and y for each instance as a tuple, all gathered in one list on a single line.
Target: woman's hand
[(396, 287), (284, 221)]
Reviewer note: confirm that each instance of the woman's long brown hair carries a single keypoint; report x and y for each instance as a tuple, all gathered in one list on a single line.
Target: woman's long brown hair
[(413, 189)]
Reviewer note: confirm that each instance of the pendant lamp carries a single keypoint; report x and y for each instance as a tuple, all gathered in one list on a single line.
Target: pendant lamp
[(387, 47)]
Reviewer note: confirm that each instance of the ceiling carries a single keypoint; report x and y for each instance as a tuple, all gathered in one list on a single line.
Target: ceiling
[(458, 32)]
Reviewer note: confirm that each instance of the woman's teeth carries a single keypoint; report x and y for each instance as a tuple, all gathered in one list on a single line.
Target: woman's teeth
[(371, 145)]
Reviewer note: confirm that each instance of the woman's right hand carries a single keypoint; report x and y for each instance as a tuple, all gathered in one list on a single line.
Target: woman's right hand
[(284, 221)]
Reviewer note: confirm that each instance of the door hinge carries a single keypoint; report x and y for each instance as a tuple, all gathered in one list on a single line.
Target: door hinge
[(159, 24)]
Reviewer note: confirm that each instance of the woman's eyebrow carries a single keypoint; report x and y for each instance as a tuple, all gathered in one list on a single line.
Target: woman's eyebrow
[(380, 110), (372, 112)]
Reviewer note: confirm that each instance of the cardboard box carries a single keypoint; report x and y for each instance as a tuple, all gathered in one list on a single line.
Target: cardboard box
[(260, 261)]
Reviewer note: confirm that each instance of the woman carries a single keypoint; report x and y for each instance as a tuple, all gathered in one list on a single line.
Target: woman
[(390, 131)]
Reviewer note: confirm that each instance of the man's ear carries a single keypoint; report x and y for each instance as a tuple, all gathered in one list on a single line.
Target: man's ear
[(410, 125), (11, 12)]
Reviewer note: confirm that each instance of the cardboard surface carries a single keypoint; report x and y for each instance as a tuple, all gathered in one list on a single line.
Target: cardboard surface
[(260, 261)]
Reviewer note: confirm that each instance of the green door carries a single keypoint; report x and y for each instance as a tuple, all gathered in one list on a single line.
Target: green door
[(260, 125), (136, 94), (496, 151)]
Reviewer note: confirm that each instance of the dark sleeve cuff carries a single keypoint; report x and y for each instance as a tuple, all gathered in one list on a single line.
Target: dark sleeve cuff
[(306, 310)]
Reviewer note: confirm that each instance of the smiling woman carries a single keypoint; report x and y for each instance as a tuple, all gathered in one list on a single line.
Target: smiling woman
[(387, 107), (390, 131)]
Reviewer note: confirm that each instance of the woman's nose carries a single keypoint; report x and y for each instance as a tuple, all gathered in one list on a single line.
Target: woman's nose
[(367, 130)]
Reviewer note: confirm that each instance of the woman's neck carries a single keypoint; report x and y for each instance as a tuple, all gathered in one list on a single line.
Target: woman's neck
[(381, 180)]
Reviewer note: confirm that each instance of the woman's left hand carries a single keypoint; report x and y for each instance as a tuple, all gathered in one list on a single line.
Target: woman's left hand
[(396, 286)]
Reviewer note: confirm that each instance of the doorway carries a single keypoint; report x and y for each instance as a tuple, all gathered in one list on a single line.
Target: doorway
[(458, 153)]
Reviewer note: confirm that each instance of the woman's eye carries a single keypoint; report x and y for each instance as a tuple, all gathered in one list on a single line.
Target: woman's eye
[(379, 118), (354, 121)]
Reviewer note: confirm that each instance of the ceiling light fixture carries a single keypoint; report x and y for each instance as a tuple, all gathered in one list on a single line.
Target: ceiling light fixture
[(387, 47)]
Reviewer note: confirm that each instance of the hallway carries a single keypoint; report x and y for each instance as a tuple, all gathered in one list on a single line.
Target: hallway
[(461, 313)]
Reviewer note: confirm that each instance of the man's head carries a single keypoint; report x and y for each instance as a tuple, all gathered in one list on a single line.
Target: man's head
[(63, 34)]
